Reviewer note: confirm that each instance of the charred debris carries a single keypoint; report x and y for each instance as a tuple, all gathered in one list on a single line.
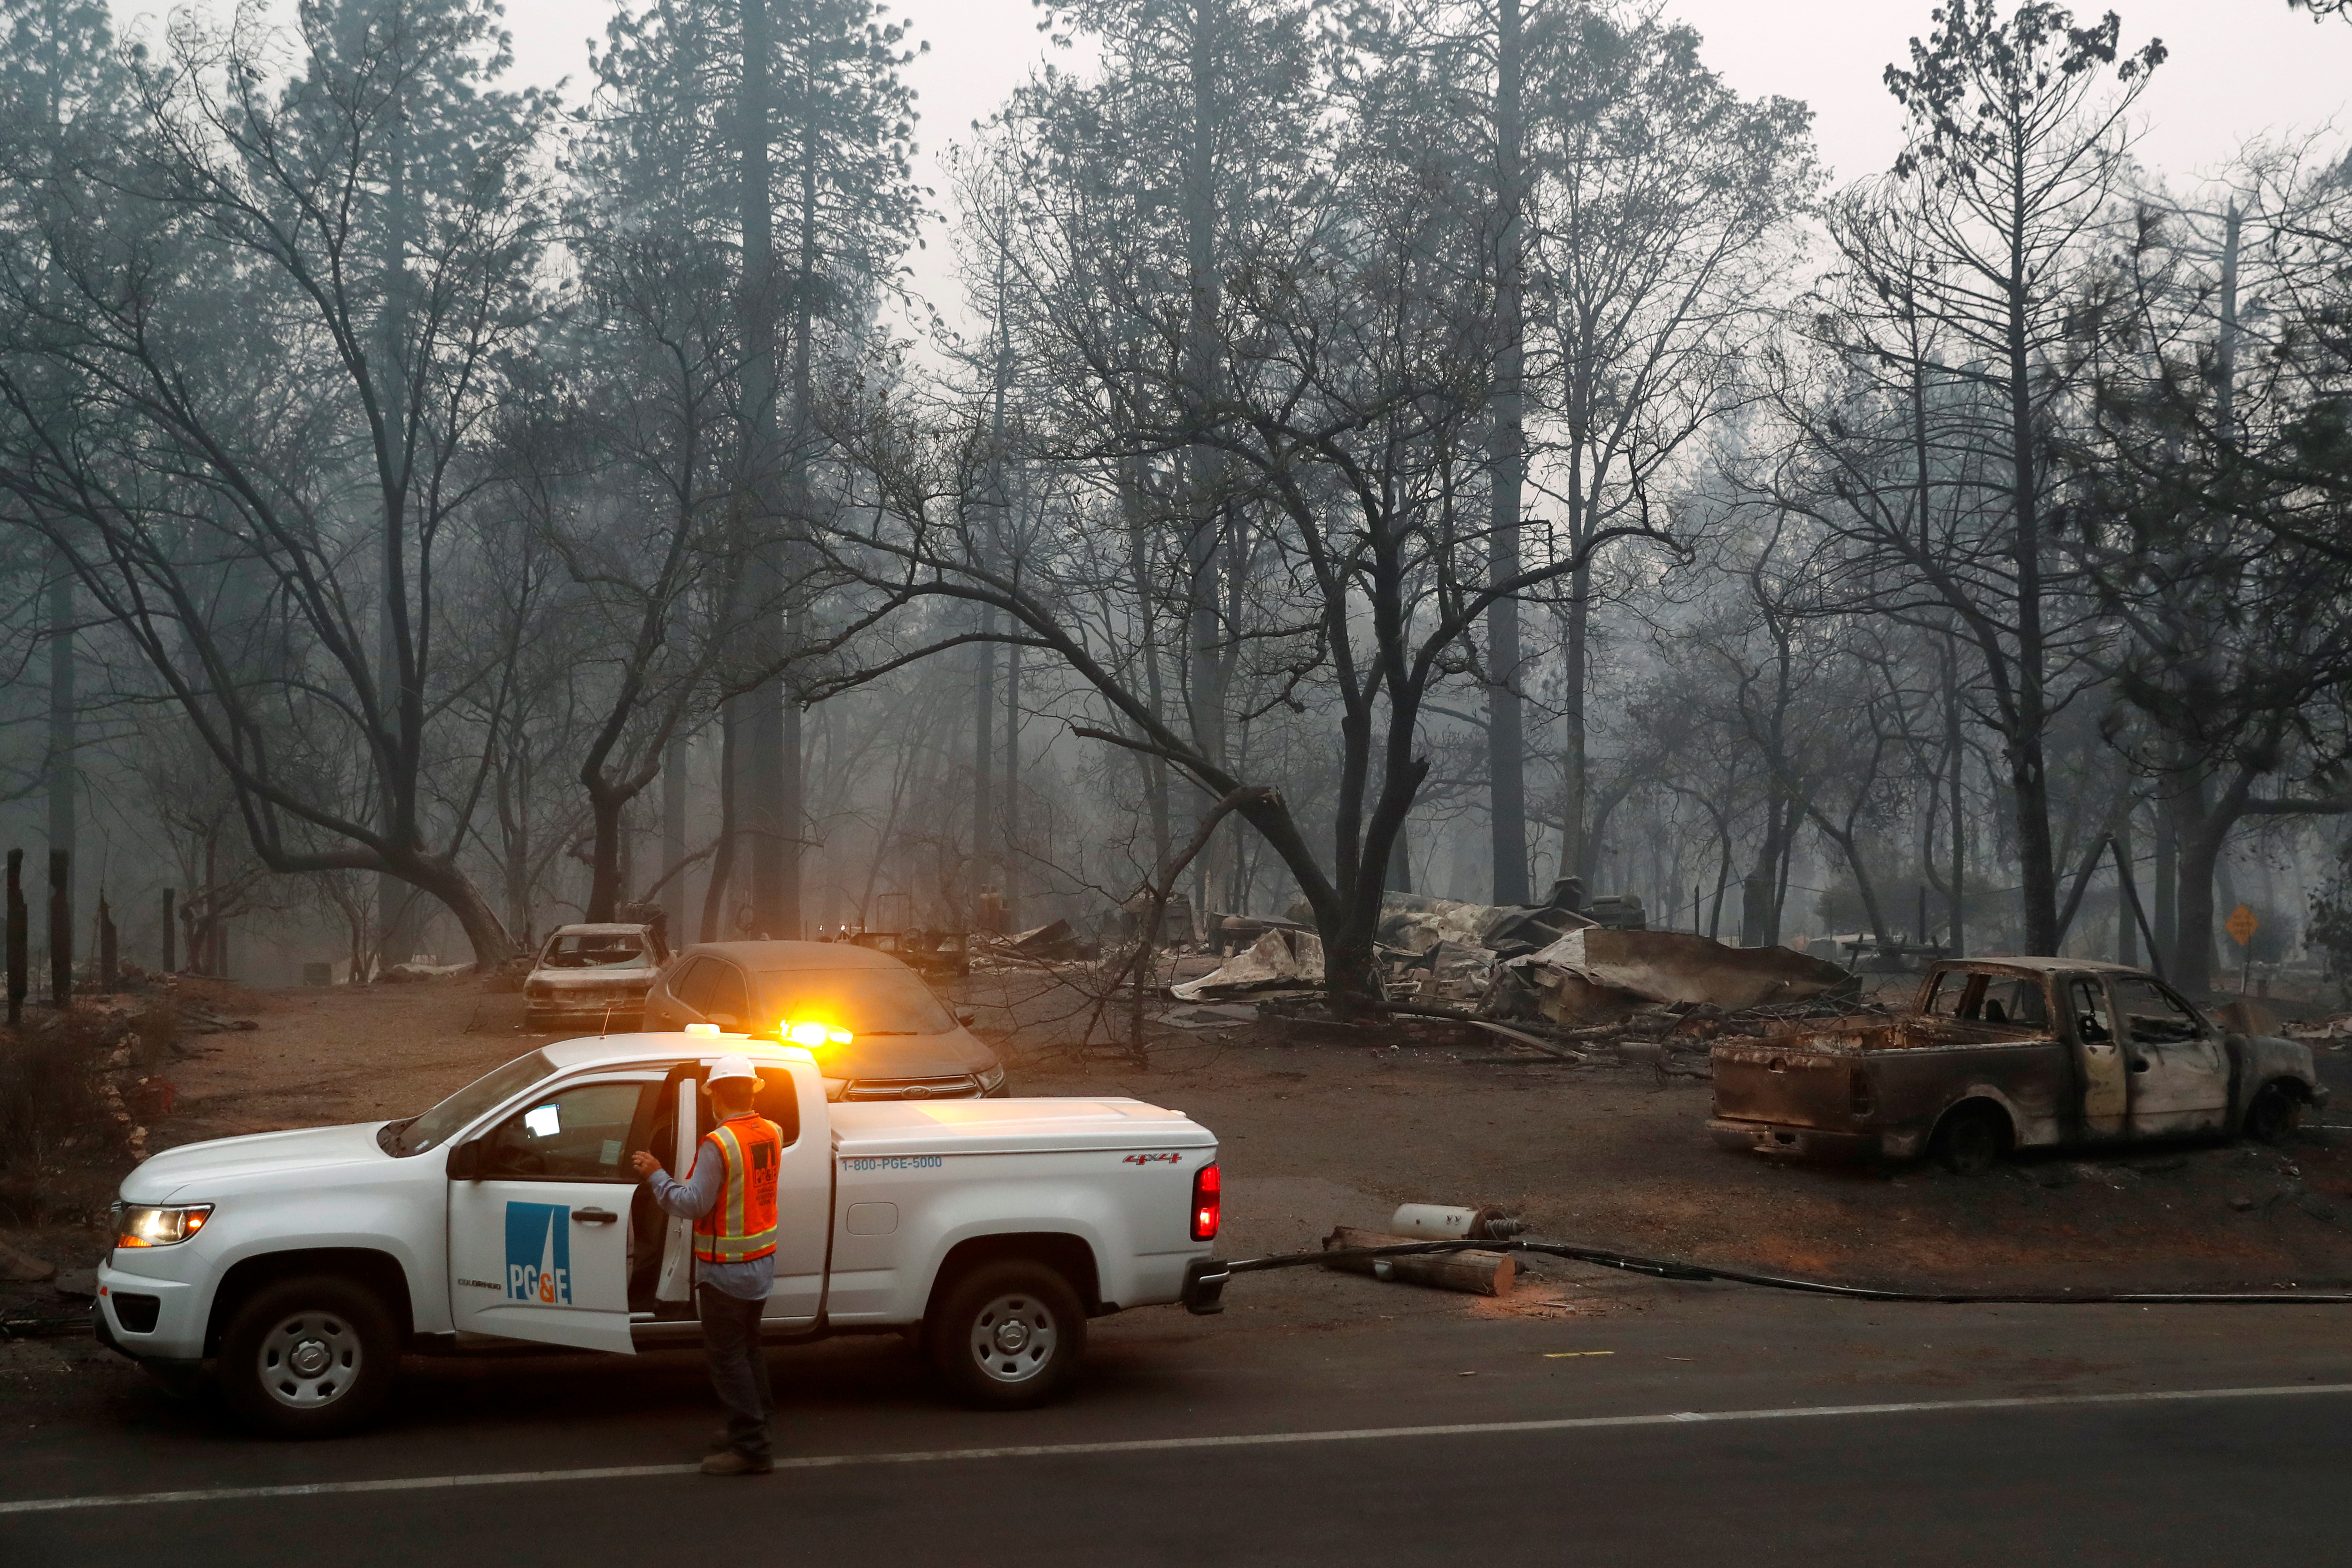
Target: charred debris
[(1569, 982)]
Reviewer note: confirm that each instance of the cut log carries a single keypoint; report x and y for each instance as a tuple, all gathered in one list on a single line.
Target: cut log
[(1479, 1273)]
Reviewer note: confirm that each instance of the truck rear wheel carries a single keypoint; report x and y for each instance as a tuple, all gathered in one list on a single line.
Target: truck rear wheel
[(310, 1358), (1009, 1335), (1973, 1138)]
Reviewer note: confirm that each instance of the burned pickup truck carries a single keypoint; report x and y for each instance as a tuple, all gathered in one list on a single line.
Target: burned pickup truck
[(2003, 1053)]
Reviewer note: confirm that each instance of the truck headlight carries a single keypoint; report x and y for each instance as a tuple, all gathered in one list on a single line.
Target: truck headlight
[(835, 1087), (992, 1080), (158, 1225)]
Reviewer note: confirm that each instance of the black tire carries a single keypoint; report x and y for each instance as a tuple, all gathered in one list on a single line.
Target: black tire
[(1008, 1335), (310, 1358), (2274, 1113), (1974, 1138)]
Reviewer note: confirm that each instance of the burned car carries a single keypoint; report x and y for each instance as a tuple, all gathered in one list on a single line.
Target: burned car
[(592, 977), (2004, 1053), (942, 954)]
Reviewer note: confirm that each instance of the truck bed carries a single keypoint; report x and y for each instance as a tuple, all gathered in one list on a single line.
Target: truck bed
[(1842, 1076), (1908, 1032), (916, 1178)]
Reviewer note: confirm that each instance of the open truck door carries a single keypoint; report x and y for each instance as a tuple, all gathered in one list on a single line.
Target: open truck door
[(538, 1216)]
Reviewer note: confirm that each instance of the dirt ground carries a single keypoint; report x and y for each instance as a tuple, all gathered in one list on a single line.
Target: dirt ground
[(1621, 1158), (1319, 1135)]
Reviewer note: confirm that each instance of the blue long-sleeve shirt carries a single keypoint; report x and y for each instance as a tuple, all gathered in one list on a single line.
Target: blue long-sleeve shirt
[(691, 1200)]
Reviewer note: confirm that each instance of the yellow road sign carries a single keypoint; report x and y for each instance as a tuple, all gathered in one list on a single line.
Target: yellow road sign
[(2241, 925)]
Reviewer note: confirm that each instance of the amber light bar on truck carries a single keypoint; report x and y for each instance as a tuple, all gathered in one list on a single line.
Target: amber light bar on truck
[(812, 1034), (1208, 1202)]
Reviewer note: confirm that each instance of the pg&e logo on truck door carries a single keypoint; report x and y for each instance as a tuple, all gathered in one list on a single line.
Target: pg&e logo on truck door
[(539, 1253)]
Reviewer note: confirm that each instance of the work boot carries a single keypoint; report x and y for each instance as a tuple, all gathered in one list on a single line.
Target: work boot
[(735, 1463)]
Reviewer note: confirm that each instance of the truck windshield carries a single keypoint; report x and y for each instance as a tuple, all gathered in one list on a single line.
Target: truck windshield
[(435, 1127), (864, 1001), (2154, 1017)]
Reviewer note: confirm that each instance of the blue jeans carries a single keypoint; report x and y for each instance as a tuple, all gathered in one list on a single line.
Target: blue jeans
[(739, 1367)]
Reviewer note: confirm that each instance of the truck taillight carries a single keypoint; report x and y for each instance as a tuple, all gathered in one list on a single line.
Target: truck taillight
[(1862, 1094), (1208, 1202)]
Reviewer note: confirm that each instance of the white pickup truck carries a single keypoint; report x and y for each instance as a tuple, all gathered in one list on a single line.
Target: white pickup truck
[(303, 1264)]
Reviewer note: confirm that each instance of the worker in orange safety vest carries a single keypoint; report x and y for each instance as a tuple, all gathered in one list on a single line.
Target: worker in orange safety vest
[(731, 1195)]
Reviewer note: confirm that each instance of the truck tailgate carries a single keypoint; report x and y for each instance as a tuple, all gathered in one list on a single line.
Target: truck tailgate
[(1785, 1084)]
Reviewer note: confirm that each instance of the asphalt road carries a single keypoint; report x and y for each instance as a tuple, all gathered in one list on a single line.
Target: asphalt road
[(1928, 1435)]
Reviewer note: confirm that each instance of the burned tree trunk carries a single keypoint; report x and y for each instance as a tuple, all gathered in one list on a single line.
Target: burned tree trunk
[(60, 928), (19, 921), (1506, 740), (714, 926)]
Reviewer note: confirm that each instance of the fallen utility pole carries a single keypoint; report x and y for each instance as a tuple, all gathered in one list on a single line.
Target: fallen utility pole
[(1482, 1271)]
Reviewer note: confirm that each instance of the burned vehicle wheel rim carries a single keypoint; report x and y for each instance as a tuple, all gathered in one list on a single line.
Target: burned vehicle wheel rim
[(2272, 1115), (1974, 1141), (1013, 1338), (309, 1360)]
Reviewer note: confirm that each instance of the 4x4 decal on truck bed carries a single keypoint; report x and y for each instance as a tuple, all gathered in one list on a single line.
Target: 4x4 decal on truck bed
[(539, 1253)]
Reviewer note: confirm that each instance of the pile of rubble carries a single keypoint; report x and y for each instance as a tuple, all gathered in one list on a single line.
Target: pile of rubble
[(1048, 947), (1560, 984), (1568, 961)]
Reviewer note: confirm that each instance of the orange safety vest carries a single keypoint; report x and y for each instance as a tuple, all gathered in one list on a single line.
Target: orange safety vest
[(741, 1225)]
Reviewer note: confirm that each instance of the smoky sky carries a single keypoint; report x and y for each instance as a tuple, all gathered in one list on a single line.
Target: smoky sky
[(2238, 68)]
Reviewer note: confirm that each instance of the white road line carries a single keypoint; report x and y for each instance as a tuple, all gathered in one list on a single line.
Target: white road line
[(1161, 1445)]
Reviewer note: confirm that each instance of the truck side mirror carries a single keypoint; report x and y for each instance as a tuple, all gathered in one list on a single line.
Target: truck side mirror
[(965, 1019), (465, 1161)]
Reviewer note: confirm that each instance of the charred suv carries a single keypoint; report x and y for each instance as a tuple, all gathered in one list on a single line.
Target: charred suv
[(2003, 1053)]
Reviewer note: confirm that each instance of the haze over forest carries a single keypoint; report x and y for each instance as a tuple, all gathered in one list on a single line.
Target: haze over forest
[(1470, 444)]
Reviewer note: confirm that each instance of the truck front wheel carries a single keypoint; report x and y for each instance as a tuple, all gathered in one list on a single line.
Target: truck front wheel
[(1973, 1138), (1009, 1335), (2274, 1114), (310, 1358)]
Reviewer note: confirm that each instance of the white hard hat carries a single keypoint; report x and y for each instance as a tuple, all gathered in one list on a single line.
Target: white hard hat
[(728, 1067)]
